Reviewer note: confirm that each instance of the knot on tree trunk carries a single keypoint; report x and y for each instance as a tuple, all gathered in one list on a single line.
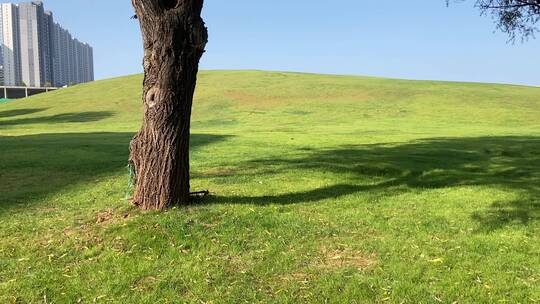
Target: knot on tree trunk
[(152, 97), (170, 4)]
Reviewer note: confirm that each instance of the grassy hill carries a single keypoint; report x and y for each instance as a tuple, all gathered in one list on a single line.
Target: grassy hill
[(326, 189)]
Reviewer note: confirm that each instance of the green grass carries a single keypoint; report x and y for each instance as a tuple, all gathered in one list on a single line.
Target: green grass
[(327, 189)]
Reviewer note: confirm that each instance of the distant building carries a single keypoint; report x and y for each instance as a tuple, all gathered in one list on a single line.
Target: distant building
[(29, 26), (10, 53), (37, 52)]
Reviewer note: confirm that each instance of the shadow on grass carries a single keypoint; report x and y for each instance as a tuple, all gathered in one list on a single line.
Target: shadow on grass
[(60, 118), (34, 166), (505, 162), (501, 214), (12, 113)]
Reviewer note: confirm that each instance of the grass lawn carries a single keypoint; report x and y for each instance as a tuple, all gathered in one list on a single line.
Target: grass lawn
[(327, 189)]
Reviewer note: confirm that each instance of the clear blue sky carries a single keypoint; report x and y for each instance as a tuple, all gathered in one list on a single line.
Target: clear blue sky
[(416, 39)]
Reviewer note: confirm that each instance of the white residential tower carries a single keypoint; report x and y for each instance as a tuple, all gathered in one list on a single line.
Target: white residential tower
[(35, 51)]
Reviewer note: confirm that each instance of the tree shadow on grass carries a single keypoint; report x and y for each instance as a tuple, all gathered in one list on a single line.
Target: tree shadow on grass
[(500, 214), (506, 162), (19, 112), (60, 118), (34, 166)]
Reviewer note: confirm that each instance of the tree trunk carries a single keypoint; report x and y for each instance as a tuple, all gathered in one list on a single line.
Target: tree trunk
[(174, 38)]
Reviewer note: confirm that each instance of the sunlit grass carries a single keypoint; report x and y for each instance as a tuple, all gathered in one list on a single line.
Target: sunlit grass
[(325, 189)]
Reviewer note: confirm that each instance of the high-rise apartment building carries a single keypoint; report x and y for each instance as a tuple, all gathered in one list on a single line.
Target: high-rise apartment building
[(29, 27), (42, 52), (10, 60)]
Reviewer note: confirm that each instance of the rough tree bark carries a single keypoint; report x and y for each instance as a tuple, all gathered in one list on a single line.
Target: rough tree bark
[(174, 37)]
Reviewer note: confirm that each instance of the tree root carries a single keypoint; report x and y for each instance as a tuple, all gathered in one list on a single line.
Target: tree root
[(199, 194)]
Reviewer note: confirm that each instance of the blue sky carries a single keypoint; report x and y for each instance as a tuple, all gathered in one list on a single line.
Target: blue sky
[(416, 39)]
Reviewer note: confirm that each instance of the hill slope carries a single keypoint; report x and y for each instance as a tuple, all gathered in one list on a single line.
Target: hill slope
[(326, 187)]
